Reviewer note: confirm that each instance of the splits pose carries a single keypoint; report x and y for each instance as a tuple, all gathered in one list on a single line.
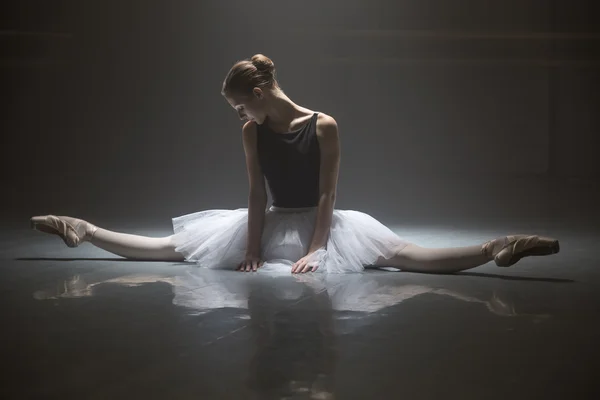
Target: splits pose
[(294, 151)]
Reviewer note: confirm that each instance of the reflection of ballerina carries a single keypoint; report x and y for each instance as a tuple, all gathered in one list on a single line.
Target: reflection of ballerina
[(360, 294), (283, 310), (297, 151), (201, 291), (279, 367)]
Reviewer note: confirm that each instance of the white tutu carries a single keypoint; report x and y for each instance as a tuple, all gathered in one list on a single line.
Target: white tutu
[(217, 239)]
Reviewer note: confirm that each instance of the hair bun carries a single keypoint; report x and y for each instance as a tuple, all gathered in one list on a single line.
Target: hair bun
[(263, 63)]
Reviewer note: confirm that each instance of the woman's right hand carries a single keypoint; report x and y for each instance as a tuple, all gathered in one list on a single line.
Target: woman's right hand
[(250, 263)]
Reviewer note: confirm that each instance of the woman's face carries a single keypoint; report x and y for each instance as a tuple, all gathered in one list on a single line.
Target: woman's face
[(249, 108)]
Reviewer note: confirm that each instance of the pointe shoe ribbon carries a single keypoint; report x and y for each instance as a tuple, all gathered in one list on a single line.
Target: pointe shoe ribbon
[(71, 230), (520, 246)]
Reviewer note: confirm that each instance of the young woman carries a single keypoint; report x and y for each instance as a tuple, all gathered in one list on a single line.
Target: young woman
[(296, 151)]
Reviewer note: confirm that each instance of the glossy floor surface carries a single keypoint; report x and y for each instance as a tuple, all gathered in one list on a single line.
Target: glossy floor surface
[(81, 323)]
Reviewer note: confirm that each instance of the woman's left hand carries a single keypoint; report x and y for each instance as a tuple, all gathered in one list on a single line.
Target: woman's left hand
[(305, 264)]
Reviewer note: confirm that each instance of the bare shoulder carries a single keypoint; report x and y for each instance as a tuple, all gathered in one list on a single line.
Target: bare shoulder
[(326, 126), (249, 134), (249, 128)]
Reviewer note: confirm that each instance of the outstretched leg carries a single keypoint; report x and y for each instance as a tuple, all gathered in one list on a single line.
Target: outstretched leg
[(441, 260), (75, 231), (136, 246), (504, 251)]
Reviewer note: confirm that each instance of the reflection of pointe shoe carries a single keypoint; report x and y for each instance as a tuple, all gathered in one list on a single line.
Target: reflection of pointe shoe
[(513, 248), (500, 307), (72, 231)]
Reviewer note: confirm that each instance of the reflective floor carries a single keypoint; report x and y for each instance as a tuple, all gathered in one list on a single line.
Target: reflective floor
[(80, 323)]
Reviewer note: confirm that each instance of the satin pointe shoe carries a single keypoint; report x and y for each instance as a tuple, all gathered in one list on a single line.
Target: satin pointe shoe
[(508, 250), (72, 231)]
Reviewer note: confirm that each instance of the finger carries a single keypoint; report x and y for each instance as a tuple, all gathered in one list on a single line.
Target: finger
[(254, 265), (300, 267), (248, 266), (294, 268), (306, 268), (261, 264), (316, 267), (240, 266)]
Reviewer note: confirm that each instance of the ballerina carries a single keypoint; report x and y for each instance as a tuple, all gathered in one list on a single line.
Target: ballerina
[(295, 152)]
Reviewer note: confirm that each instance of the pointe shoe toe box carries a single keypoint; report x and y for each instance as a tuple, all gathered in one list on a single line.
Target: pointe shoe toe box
[(71, 230), (525, 246)]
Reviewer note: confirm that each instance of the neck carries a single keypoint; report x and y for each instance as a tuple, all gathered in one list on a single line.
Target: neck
[(282, 109)]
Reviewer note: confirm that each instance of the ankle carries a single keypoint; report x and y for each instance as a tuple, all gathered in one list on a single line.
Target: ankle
[(487, 251), (493, 247), (90, 231)]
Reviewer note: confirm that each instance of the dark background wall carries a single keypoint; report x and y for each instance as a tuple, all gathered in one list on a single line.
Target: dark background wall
[(114, 108)]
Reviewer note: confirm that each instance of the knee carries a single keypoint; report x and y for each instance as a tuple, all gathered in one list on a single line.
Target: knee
[(169, 242), (397, 257), (407, 251), (412, 257)]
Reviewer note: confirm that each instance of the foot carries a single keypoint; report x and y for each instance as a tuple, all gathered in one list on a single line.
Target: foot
[(508, 250), (72, 231)]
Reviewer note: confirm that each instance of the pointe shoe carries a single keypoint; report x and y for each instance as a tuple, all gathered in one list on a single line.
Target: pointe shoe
[(72, 231), (518, 246)]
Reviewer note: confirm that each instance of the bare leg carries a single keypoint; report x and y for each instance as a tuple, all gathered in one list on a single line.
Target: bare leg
[(441, 260), (135, 246), (74, 231), (505, 251)]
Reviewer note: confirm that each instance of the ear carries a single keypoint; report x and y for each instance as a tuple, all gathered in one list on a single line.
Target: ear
[(258, 93)]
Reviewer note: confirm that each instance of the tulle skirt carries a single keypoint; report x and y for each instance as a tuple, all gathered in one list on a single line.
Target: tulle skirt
[(217, 239)]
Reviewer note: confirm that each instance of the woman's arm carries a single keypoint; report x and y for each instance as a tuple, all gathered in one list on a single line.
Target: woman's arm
[(329, 144), (257, 199)]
